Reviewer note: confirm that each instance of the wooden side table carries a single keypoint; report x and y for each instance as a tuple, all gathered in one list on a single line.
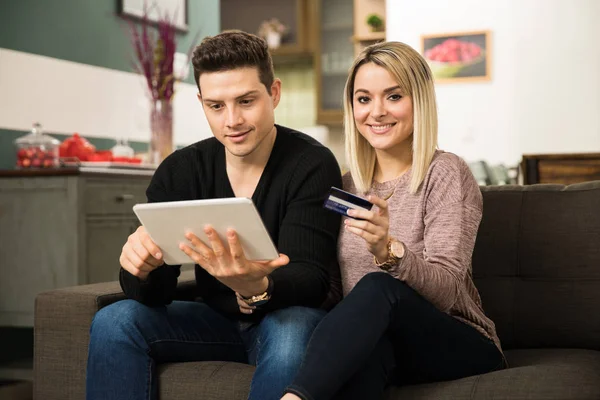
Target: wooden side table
[(560, 168)]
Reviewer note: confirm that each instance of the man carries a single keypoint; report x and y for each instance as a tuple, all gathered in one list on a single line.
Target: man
[(261, 313)]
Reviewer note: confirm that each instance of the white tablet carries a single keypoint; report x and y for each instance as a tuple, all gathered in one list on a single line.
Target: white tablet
[(168, 222)]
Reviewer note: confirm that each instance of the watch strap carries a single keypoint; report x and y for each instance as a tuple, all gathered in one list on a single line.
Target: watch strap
[(262, 298), (392, 259)]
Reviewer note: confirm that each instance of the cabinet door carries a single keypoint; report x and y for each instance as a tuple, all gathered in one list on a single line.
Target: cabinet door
[(334, 56), (38, 243), (105, 240)]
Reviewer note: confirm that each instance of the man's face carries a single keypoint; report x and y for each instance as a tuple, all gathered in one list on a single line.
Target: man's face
[(238, 108)]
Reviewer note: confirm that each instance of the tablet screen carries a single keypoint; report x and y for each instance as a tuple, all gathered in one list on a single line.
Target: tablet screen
[(167, 223)]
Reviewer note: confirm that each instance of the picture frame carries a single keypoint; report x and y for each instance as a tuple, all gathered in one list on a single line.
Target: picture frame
[(458, 56), (134, 9)]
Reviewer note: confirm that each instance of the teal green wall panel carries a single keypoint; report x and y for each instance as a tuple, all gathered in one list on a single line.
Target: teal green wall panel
[(88, 31)]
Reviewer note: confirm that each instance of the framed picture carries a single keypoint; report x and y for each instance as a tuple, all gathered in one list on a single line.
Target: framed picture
[(458, 57), (177, 10)]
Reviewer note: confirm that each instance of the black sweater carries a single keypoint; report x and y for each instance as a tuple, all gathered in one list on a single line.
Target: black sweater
[(289, 197)]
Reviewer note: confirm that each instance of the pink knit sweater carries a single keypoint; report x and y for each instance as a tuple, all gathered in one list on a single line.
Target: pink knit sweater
[(438, 226)]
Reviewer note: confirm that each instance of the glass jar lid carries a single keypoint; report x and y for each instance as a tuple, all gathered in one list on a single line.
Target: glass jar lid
[(37, 138)]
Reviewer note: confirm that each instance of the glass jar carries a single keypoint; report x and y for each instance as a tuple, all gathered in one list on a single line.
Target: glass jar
[(36, 150), (122, 150)]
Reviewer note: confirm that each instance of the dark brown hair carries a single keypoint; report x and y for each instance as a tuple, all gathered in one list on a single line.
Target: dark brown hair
[(231, 50)]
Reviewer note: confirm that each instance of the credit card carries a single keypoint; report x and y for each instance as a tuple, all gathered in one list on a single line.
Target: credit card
[(341, 201)]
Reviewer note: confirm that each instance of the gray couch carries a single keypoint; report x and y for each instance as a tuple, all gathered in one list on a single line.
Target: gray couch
[(536, 264)]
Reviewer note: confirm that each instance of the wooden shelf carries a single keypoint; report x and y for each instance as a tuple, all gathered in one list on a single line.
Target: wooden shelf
[(291, 58), (294, 14), (372, 37), (362, 10)]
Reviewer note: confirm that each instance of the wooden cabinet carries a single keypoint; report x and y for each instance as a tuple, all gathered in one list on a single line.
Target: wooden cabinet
[(342, 33), (326, 33), (297, 44), (560, 168), (61, 230)]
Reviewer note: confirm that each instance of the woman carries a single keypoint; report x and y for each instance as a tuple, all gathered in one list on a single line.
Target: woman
[(411, 313)]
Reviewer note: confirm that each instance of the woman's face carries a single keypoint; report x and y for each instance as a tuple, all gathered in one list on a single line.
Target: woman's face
[(382, 113)]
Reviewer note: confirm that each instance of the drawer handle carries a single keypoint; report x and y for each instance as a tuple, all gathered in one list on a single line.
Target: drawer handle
[(123, 197)]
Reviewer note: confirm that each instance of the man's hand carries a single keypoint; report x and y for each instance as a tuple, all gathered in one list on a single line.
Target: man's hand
[(140, 255), (248, 278)]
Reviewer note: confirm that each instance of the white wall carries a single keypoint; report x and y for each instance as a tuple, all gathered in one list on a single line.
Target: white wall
[(67, 97), (544, 95)]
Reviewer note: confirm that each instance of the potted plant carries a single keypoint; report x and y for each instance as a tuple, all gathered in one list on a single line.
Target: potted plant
[(272, 31), (375, 22)]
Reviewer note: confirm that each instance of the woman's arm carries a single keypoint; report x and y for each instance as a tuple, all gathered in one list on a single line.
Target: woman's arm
[(453, 209), (449, 238)]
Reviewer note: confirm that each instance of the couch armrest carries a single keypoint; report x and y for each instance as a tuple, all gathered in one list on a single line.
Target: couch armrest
[(61, 334)]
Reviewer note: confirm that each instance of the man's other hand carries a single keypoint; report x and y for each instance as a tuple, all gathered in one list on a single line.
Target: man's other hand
[(244, 307), (140, 255)]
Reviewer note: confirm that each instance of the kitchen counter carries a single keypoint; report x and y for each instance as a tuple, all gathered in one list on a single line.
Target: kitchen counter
[(73, 171)]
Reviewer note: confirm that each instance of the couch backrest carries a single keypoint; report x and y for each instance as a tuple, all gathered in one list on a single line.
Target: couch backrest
[(536, 264)]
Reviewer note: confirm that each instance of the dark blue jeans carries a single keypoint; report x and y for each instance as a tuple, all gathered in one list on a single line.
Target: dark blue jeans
[(128, 340), (385, 332)]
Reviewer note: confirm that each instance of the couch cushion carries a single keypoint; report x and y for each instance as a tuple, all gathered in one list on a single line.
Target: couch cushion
[(534, 374), (496, 246), (536, 264), (560, 234), (214, 380)]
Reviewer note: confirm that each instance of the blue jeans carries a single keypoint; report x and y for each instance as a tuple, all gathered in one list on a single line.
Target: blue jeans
[(129, 339)]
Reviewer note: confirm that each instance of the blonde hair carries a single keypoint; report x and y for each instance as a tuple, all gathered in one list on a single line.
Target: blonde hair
[(415, 79)]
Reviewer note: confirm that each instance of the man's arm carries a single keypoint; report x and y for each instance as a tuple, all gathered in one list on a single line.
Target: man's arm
[(167, 184), (308, 234), (158, 289)]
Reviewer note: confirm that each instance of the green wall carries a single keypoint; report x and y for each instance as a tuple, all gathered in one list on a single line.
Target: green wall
[(88, 32)]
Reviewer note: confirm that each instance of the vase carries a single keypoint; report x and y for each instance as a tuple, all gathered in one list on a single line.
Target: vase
[(161, 126), (273, 39)]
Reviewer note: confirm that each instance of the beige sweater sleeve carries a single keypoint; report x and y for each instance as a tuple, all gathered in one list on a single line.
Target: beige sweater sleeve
[(452, 206)]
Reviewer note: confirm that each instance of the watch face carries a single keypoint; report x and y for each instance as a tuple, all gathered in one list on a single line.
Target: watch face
[(396, 249)]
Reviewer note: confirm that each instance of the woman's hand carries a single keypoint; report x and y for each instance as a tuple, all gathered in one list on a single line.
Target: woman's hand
[(373, 227)]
